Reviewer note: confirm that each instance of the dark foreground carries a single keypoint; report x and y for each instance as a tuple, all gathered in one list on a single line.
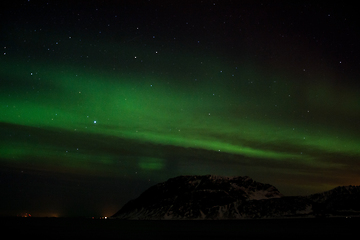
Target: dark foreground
[(246, 229)]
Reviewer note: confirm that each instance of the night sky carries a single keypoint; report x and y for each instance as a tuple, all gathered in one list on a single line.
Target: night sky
[(101, 100)]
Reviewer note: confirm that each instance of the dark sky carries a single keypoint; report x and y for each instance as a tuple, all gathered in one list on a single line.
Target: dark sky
[(101, 100)]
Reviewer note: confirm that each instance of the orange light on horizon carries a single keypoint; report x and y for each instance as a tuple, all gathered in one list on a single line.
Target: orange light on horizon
[(24, 215)]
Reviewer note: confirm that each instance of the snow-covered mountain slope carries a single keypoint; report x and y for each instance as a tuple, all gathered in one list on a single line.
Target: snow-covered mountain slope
[(215, 197)]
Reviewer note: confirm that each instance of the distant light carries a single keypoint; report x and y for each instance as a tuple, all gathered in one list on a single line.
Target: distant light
[(105, 217), (94, 122)]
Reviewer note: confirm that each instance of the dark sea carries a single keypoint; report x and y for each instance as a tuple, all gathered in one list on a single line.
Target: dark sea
[(214, 229)]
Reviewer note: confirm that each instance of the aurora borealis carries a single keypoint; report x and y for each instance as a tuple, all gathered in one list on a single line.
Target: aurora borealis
[(99, 101)]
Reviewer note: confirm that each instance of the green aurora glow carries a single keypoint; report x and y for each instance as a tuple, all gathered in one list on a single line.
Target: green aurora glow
[(134, 99), (228, 116)]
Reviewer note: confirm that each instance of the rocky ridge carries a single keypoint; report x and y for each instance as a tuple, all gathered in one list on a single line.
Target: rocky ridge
[(215, 197)]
